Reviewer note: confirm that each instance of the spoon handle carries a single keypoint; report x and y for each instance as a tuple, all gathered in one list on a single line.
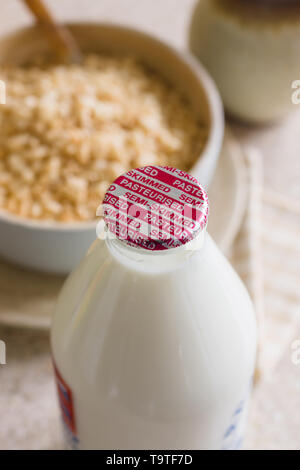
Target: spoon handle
[(60, 37)]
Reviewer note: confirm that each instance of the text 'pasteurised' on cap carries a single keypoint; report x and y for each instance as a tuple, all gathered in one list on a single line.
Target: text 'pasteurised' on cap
[(156, 208)]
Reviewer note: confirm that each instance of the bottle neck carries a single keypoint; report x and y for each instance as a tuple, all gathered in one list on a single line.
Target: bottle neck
[(153, 262)]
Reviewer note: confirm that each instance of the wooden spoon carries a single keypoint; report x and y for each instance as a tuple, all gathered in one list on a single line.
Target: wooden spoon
[(60, 38)]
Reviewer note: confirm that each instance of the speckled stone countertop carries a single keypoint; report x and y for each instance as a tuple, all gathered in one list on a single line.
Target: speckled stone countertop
[(29, 415)]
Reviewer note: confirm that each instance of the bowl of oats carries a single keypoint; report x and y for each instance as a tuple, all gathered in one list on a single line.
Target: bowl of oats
[(68, 130)]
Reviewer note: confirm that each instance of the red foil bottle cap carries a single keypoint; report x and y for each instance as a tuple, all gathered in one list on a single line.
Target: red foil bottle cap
[(156, 208)]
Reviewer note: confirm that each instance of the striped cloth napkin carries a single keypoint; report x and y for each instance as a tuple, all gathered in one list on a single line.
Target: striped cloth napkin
[(266, 255)]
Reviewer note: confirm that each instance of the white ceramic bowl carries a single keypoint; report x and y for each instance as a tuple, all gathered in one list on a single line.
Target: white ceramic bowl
[(57, 247)]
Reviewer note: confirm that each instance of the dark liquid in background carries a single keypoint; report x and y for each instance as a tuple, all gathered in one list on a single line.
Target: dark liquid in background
[(277, 11)]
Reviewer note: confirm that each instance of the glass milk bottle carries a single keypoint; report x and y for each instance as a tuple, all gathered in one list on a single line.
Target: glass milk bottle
[(154, 334)]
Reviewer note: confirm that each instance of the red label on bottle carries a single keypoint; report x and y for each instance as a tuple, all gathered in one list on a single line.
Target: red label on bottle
[(66, 403)]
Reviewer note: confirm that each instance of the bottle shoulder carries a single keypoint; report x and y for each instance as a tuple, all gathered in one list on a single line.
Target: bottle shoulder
[(205, 277), (204, 291)]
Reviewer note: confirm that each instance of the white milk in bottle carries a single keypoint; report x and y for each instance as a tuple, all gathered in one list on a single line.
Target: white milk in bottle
[(154, 334)]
